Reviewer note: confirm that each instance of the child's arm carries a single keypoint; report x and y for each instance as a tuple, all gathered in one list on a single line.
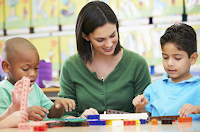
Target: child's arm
[(57, 109), (140, 102), (14, 106), (14, 119), (187, 109)]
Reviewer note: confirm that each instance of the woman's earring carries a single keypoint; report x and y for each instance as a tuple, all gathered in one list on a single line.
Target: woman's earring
[(92, 49)]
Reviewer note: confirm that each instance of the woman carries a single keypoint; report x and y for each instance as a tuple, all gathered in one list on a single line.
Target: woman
[(103, 75)]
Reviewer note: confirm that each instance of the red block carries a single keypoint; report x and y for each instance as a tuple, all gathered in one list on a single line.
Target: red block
[(126, 123), (40, 128)]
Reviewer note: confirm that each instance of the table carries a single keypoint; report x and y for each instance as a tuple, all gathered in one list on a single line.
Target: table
[(51, 93), (175, 127)]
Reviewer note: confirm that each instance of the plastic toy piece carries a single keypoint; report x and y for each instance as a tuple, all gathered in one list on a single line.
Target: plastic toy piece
[(184, 119), (75, 119), (85, 123), (110, 111), (63, 123), (154, 122), (142, 121), (133, 116), (25, 94), (137, 122), (56, 124), (159, 118), (74, 124), (109, 122), (97, 122), (40, 128), (93, 117), (118, 123), (128, 122), (166, 121), (31, 125), (23, 125)]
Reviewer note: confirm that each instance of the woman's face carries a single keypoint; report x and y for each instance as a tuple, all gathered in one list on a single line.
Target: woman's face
[(104, 39)]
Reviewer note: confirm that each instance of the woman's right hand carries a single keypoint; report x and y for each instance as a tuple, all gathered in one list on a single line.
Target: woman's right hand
[(90, 111)]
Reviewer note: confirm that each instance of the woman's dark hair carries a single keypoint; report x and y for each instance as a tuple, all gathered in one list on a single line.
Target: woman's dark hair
[(94, 14), (182, 36)]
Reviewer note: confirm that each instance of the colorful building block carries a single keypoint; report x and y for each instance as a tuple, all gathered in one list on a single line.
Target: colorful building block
[(75, 124), (166, 121), (137, 122), (56, 124), (40, 128), (110, 111), (99, 122), (133, 116), (118, 123), (154, 122), (109, 122), (23, 125), (142, 121), (184, 119), (129, 122), (25, 94), (159, 118), (93, 117)]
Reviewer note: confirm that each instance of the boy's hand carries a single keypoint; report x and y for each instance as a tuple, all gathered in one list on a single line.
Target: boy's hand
[(187, 109), (37, 113), (19, 84), (90, 111), (140, 101), (15, 118), (65, 102), (16, 99)]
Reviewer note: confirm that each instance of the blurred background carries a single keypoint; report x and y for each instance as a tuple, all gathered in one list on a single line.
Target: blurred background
[(50, 26)]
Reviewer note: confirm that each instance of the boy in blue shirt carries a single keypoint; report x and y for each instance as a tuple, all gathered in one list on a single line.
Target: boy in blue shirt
[(178, 92), (21, 58)]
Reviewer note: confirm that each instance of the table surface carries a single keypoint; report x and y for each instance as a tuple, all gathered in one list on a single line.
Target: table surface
[(175, 127), (50, 89)]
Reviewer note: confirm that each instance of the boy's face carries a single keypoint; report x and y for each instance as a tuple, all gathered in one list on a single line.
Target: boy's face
[(25, 64), (176, 63)]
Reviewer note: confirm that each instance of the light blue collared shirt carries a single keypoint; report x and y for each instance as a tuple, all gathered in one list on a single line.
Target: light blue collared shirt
[(166, 98)]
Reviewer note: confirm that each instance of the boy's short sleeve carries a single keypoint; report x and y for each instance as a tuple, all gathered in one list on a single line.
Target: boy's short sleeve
[(38, 98), (148, 92), (5, 99)]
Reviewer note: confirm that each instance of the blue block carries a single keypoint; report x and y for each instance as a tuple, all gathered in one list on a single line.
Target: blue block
[(97, 122), (142, 121), (93, 117)]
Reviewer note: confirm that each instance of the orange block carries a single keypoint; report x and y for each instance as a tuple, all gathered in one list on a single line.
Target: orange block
[(154, 122), (184, 119)]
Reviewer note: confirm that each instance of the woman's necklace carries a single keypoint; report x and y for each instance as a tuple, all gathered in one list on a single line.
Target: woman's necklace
[(102, 75)]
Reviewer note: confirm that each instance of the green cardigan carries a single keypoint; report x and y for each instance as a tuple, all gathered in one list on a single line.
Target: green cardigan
[(129, 78)]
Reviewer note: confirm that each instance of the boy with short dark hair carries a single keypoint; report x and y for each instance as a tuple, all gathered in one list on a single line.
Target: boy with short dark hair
[(178, 91), (21, 58)]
